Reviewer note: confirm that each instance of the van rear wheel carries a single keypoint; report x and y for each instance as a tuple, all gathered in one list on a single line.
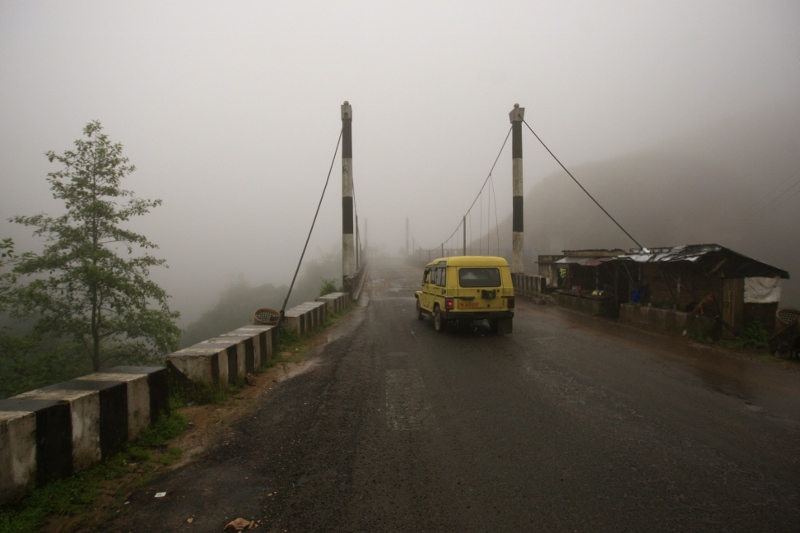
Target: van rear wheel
[(494, 326), (439, 323)]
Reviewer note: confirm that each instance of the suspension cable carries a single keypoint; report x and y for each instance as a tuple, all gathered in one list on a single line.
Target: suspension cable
[(583, 188), (479, 192), (496, 225), (283, 309)]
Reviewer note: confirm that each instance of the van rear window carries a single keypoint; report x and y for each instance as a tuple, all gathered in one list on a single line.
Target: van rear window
[(479, 277)]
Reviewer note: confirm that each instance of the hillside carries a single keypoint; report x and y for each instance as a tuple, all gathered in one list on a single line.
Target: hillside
[(719, 185)]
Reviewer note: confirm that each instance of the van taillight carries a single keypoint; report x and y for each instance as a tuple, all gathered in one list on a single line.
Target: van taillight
[(448, 303), (511, 302)]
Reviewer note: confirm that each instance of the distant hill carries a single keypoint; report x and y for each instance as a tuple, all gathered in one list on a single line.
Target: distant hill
[(239, 300), (722, 184)]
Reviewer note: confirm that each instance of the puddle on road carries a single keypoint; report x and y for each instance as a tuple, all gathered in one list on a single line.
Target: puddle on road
[(723, 373)]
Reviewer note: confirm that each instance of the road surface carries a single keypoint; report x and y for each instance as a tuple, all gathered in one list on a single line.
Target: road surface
[(569, 424)]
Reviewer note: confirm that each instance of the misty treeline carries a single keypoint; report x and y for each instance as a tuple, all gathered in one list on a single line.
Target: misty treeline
[(85, 301), (240, 300), (735, 184)]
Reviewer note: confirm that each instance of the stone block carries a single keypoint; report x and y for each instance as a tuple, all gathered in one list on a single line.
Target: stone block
[(201, 364), (297, 320), (17, 453), (158, 383), (267, 340), (237, 355), (51, 440), (136, 408)]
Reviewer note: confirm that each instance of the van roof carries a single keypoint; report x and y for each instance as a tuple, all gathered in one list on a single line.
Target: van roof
[(470, 261)]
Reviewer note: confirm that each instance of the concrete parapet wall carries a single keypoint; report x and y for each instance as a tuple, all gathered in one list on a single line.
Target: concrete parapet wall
[(303, 318), (49, 433), (528, 285), (226, 359), (650, 317), (337, 301), (667, 320), (591, 306)]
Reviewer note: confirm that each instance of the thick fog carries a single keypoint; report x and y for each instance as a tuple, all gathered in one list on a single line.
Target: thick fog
[(231, 111)]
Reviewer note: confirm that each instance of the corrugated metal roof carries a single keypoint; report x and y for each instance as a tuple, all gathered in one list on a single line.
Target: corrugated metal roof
[(738, 264), (684, 252), (694, 252), (576, 260)]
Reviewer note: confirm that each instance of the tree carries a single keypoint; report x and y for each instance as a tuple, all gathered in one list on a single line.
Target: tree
[(6, 278), (90, 285)]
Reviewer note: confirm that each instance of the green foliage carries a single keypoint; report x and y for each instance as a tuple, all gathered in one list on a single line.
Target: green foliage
[(269, 363), (136, 453), (173, 454), (164, 429), (328, 286), (7, 279), (753, 337), (33, 360), (184, 392), (88, 286), (6, 250), (287, 339), (701, 337)]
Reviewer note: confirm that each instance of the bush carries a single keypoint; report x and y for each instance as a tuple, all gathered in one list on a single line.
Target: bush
[(328, 286), (754, 335)]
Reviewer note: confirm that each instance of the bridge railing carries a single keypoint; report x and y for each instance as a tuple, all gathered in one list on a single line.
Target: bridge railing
[(53, 432), (358, 281), (529, 285)]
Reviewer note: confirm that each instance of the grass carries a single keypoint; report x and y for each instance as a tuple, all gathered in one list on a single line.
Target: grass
[(753, 337), (74, 495), (184, 392)]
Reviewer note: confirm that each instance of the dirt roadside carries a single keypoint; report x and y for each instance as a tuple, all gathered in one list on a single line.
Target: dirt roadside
[(208, 424)]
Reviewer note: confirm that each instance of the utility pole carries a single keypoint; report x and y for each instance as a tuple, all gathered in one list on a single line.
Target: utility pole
[(516, 116), (406, 235), (348, 246)]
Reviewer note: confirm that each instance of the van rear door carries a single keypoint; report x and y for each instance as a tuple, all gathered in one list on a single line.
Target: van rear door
[(479, 289)]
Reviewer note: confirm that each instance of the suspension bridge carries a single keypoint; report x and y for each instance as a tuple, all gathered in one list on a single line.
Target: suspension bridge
[(568, 424)]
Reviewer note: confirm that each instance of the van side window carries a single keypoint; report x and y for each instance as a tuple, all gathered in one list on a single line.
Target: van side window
[(441, 277), (426, 276)]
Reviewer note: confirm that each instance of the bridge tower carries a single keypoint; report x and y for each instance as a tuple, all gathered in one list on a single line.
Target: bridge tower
[(348, 244), (517, 115)]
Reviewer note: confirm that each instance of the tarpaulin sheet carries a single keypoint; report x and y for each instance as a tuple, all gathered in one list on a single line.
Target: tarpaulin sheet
[(762, 290)]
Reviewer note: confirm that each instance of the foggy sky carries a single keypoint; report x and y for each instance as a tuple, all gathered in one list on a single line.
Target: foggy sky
[(230, 110)]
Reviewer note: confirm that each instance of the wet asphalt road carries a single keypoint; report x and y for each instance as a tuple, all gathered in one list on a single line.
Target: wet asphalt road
[(568, 424)]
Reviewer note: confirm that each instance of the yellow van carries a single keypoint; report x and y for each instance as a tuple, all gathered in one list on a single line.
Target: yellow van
[(467, 288)]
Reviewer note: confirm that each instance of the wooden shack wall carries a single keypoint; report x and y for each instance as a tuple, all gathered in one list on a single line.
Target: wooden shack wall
[(665, 290), (764, 313)]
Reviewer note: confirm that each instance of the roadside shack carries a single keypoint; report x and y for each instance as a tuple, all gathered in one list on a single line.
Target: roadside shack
[(585, 280), (662, 286), (683, 277)]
